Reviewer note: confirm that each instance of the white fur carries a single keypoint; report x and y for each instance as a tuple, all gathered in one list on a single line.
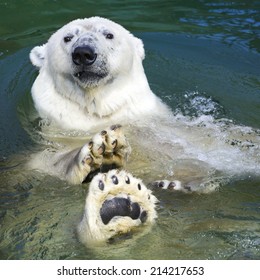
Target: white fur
[(124, 96)]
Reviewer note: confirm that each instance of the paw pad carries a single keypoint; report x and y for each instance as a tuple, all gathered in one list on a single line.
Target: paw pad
[(116, 203)]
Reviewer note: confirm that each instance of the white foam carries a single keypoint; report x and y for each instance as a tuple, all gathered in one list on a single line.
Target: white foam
[(200, 147), (221, 143)]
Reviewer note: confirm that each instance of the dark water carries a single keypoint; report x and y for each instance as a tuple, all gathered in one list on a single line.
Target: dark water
[(202, 58)]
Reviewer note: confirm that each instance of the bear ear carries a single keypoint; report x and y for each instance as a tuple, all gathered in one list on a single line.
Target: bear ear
[(37, 55), (139, 46)]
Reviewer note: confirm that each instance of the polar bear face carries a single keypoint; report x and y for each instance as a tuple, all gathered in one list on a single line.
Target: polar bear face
[(90, 52), (91, 74)]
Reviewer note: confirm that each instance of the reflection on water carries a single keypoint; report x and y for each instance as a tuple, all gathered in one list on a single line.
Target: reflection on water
[(231, 22), (40, 217), (210, 80)]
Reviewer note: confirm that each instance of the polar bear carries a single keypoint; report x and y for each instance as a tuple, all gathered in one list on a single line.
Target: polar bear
[(91, 78)]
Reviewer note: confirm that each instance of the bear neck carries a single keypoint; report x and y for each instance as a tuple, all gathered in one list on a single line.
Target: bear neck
[(127, 91)]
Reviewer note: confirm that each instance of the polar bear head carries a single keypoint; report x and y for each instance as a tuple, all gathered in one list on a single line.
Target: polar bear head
[(91, 52)]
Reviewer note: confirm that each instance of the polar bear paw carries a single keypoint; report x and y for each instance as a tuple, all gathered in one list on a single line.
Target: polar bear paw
[(117, 203), (171, 185), (106, 150), (117, 148)]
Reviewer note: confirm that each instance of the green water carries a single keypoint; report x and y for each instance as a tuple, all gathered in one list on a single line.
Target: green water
[(202, 58)]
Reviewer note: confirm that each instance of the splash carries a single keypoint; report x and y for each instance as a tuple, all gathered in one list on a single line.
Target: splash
[(198, 148)]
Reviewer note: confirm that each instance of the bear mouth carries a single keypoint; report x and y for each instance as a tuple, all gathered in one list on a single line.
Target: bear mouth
[(121, 207), (89, 76)]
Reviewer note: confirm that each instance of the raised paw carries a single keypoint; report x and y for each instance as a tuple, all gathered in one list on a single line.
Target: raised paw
[(117, 148), (109, 147), (106, 150), (116, 203)]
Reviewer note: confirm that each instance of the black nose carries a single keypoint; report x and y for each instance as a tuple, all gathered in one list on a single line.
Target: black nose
[(84, 56)]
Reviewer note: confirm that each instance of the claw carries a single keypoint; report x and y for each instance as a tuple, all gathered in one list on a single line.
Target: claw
[(87, 160), (114, 144), (90, 145), (102, 149)]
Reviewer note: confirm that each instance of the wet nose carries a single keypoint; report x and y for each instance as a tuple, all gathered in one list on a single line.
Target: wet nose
[(84, 55)]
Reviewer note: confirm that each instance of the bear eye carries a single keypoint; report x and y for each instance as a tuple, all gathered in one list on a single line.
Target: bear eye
[(110, 36), (139, 187), (68, 38)]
